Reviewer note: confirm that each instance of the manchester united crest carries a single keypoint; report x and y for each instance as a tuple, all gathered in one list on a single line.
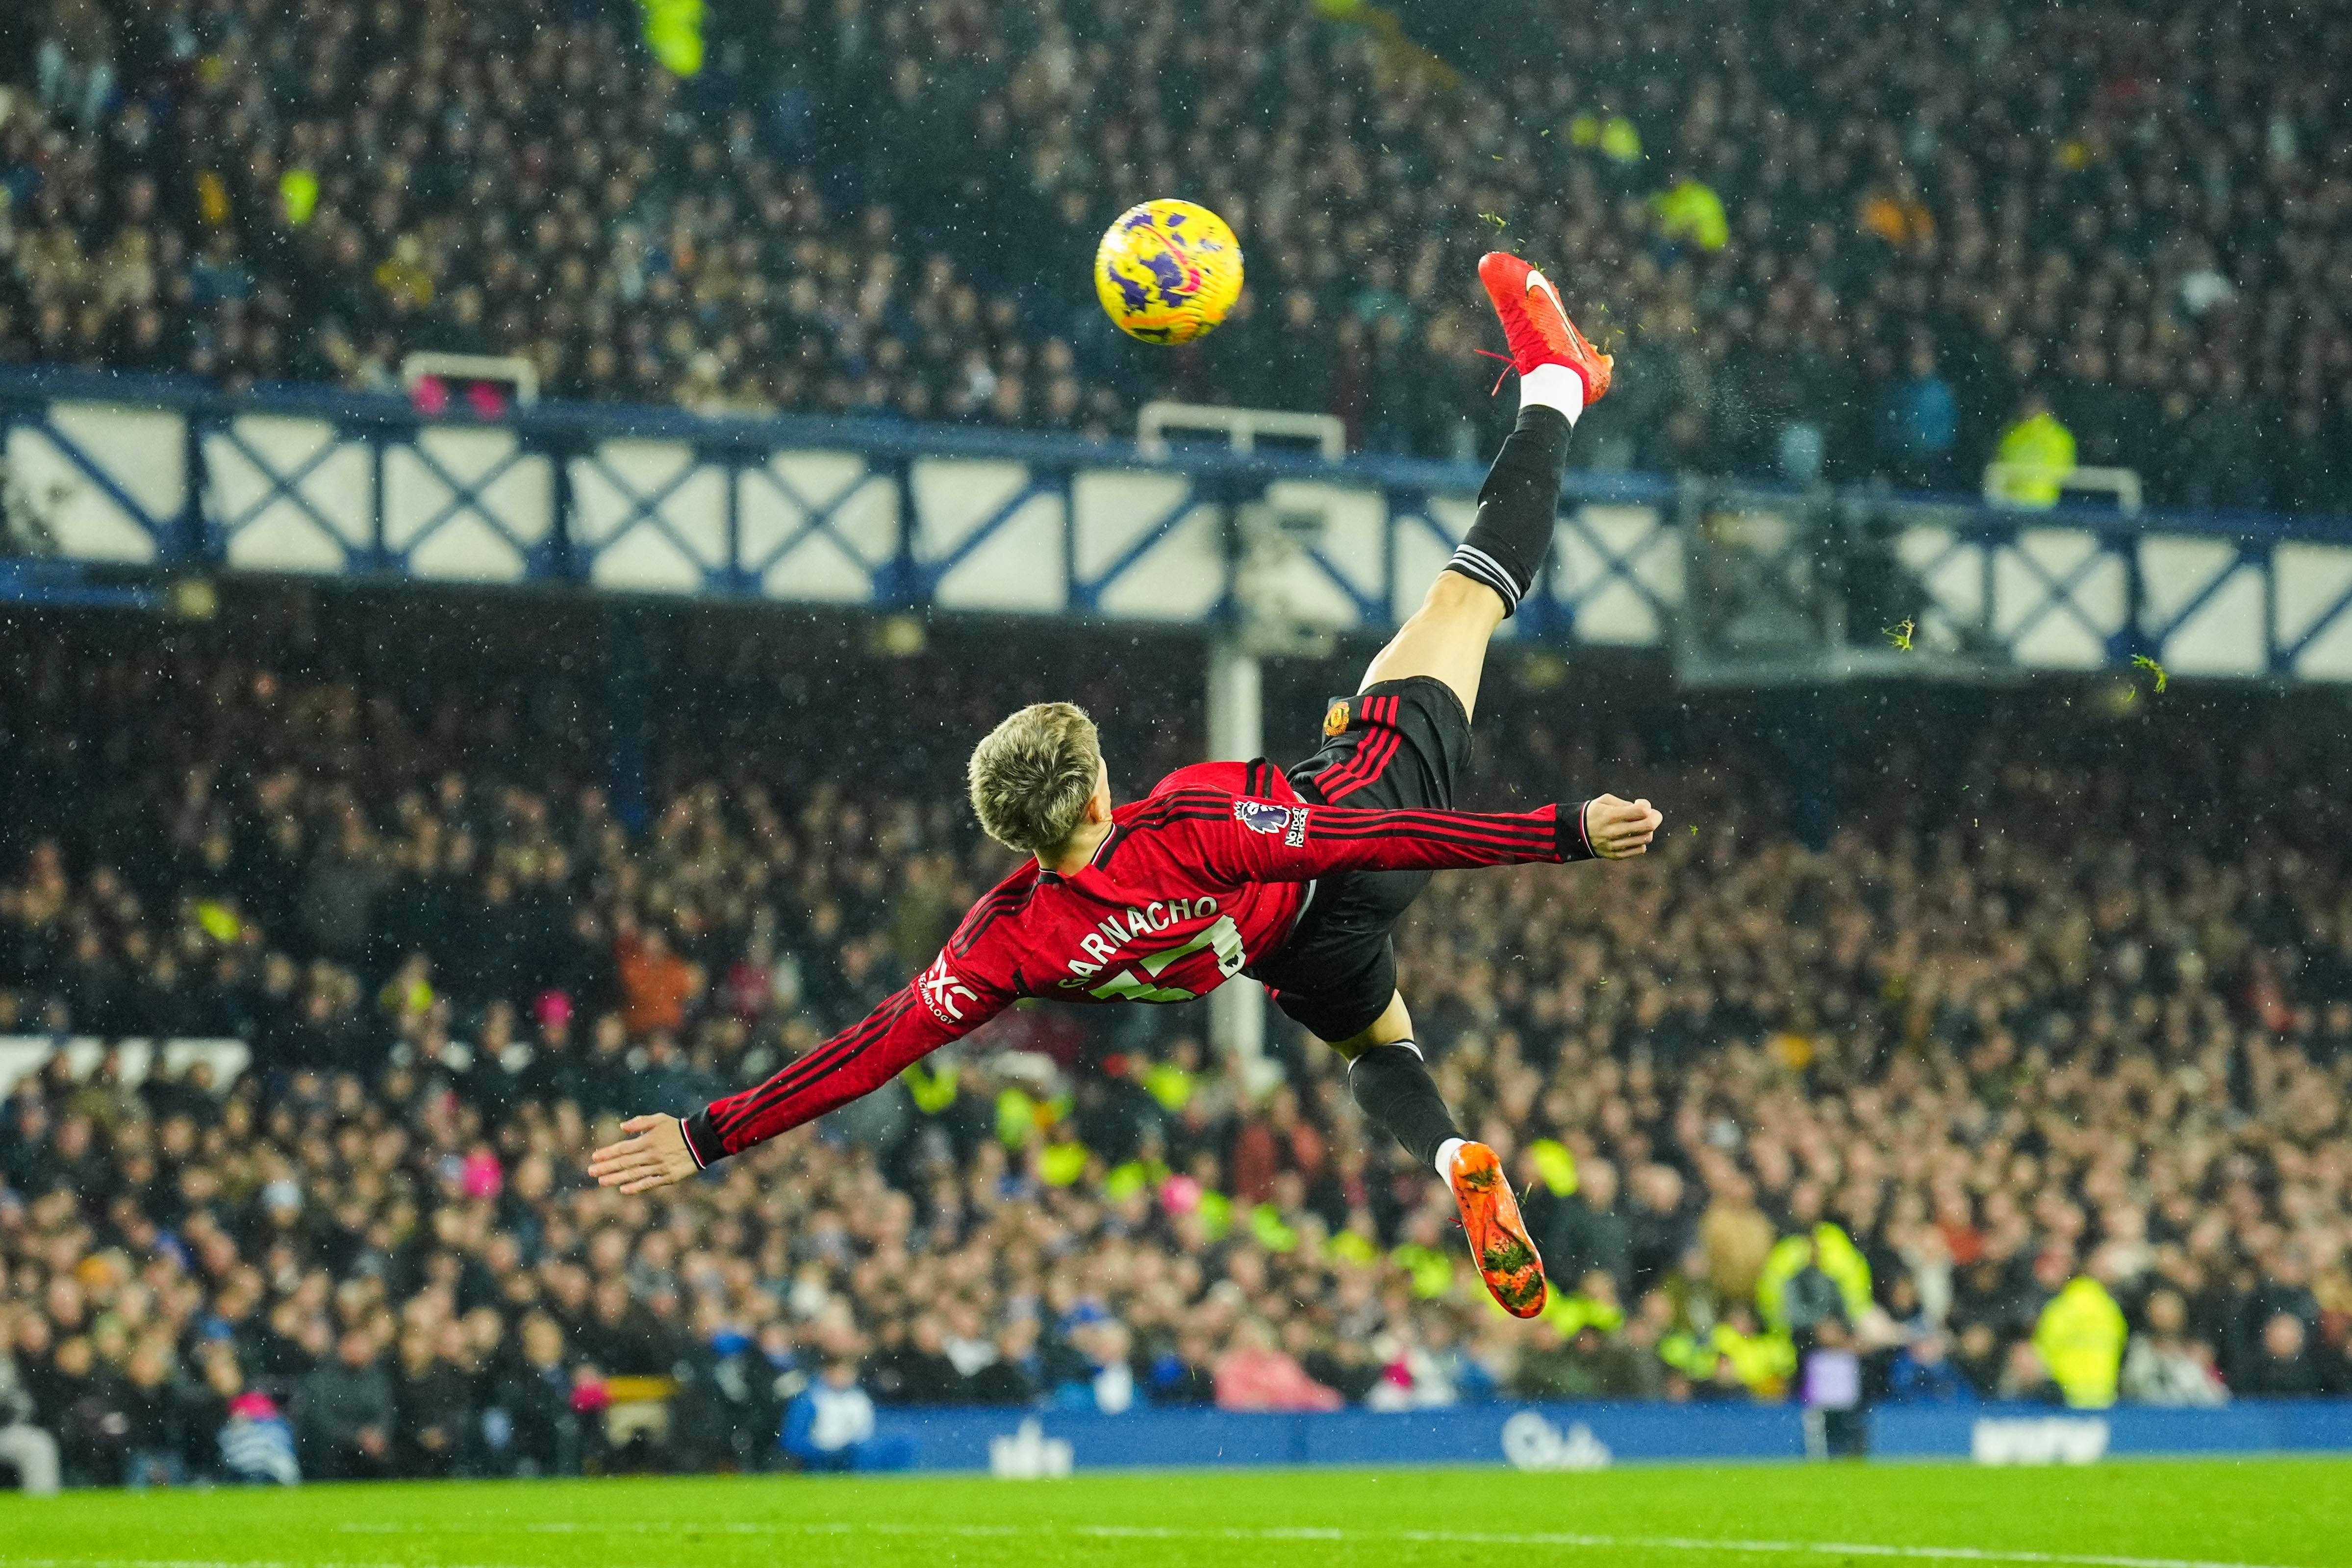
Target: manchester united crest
[(1335, 722)]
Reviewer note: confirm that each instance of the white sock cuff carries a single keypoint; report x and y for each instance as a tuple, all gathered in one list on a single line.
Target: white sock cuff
[(1553, 387), (1446, 1157), (1480, 567)]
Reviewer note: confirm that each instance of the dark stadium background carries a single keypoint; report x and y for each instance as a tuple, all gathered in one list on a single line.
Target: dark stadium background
[(1995, 1023)]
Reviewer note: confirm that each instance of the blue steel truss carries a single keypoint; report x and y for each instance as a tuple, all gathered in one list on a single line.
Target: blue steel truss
[(168, 531), (817, 522), (1086, 594), (279, 487), (466, 499), (2017, 596)]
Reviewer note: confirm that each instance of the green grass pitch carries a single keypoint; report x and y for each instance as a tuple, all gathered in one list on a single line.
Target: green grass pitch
[(2273, 1513)]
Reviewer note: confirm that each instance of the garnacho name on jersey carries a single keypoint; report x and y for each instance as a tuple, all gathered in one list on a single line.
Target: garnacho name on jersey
[(1101, 945)]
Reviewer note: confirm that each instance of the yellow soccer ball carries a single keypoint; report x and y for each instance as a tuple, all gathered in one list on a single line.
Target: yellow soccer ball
[(1167, 271)]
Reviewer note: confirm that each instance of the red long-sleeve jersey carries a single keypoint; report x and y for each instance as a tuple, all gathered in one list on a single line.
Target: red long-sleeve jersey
[(1205, 874)]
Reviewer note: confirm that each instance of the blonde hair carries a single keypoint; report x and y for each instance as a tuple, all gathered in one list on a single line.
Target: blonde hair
[(1032, 777)]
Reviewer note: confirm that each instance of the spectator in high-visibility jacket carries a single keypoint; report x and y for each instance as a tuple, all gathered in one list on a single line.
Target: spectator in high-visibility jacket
[(2035, 454), (1689, 209), (2080, 1338), (1833, 1252), (673, 32), (1764, 1359), (1593, 1304)]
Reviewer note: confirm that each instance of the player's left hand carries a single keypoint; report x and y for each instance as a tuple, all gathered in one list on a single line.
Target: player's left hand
[(1620, 829), (655, 1156)]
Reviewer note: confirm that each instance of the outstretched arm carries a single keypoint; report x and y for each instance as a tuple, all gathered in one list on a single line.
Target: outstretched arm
[(911, 1023), (1276, 841)]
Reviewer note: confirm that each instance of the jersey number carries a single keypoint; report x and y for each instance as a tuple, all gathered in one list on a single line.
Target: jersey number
[(1128, 985)]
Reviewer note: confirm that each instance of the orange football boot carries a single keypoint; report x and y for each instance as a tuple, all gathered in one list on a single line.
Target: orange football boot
[(1498, 1236), (1537, 326)]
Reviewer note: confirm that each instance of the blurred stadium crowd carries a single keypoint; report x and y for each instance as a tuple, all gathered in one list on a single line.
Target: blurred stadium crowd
[(2033, 1086), (1827, 244)]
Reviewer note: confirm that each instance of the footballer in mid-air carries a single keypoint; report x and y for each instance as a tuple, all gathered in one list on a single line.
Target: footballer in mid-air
[(1294, 877)]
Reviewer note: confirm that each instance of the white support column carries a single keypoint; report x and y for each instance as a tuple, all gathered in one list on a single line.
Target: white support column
[(1236, 733), (1236, 701)]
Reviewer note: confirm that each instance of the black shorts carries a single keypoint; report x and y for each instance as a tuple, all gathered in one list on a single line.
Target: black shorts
[(1396, 743)]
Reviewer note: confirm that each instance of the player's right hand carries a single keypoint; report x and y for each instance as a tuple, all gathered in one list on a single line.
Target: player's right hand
[(655, 1156), (1619, 830)]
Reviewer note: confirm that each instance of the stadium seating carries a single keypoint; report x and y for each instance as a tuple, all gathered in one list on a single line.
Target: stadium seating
[(2004, 1039), (1824, 249), (2045, 1028)]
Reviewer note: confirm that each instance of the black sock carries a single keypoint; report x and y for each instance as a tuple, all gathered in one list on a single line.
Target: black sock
[(1518, 507), (1393, 1085)]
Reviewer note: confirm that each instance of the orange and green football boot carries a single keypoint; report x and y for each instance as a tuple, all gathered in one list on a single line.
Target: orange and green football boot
[(1498, 1237)]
